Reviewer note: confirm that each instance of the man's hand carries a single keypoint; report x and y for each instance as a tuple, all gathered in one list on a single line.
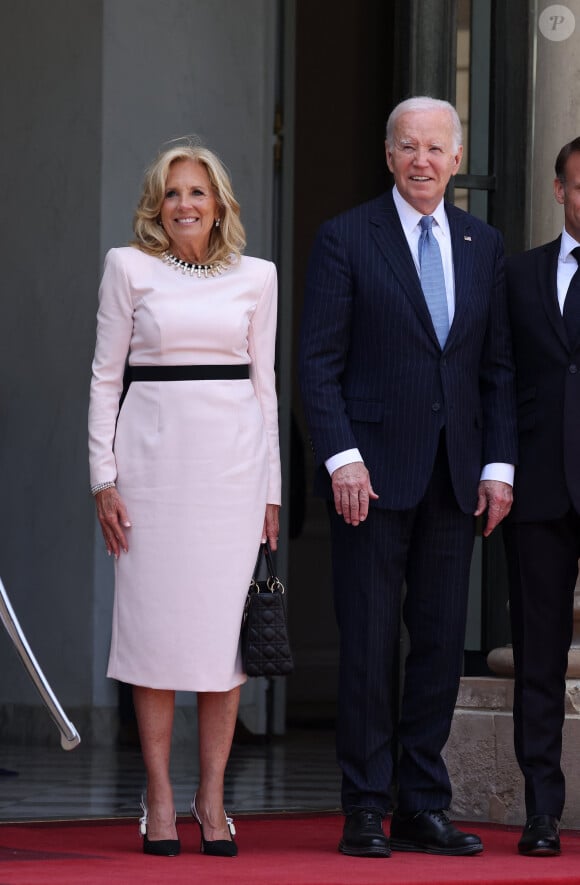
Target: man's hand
[(352, 490), (495, 497)]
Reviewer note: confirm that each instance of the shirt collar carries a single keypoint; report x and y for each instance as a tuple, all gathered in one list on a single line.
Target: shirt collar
[(410, 218), (566, 245)]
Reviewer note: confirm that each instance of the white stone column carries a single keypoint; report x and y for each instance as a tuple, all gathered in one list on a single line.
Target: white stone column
[(554, 108)]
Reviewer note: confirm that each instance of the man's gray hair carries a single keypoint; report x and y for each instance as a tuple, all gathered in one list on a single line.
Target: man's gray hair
[(424, 103)]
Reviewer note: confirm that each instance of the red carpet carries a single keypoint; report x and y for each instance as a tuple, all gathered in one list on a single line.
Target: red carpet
[(289, 850)]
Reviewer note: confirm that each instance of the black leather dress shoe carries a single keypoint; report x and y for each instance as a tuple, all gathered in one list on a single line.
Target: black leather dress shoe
[(363, 835), (540, 837), (431, 832)]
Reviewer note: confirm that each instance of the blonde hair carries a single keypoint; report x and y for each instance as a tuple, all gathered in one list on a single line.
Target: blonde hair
[(226, 242)]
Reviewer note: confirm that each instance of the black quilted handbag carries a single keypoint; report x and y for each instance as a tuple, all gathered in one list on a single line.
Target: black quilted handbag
[(264, 636)]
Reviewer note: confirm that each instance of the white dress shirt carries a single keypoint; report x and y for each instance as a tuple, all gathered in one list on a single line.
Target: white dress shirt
[(411, 223)]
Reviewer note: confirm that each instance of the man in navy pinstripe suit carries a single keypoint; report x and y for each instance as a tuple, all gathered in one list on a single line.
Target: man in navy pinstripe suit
[(414, 435)]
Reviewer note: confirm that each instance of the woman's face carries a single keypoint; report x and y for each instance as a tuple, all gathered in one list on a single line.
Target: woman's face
[(189, 210)]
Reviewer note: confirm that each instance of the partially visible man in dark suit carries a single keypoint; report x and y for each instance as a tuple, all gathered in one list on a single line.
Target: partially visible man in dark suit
[(407, 383), (543, 532)]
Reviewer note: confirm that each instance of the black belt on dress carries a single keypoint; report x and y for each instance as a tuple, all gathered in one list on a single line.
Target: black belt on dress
[(211, 372)]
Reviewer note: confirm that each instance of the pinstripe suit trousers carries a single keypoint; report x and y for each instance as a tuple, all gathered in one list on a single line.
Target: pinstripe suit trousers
[(429, 548)]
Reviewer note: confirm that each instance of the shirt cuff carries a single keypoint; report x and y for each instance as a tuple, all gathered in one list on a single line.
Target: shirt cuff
[(499, 472), (349, 456)]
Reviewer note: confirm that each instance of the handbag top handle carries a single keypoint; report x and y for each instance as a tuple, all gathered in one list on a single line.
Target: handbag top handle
[(274, 582)]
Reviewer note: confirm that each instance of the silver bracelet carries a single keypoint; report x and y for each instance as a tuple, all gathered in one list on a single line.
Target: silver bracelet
[(101, 486)]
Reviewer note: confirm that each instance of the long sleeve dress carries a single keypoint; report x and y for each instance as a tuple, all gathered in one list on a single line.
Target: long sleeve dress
[(194, 461)]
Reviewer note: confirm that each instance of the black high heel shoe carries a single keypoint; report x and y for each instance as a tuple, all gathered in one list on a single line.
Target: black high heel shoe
[(158, 847), (216, 847)]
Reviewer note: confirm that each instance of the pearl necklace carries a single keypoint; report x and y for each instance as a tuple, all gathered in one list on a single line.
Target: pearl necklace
[(193, 269)]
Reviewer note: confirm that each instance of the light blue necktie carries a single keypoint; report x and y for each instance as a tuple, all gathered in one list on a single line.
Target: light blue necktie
[(433, 279)]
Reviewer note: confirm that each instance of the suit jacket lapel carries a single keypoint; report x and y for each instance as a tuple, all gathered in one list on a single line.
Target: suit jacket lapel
[(463, 246), (389, 236), (547, 273)]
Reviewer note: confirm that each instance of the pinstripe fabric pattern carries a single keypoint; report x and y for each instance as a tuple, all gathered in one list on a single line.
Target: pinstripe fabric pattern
[(372, 372), (425, 419)]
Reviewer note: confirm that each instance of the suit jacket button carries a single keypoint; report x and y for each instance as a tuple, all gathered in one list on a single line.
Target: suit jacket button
[(573, 368), (436, 406)]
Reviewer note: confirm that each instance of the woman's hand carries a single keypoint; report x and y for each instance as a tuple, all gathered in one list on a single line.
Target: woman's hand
[(113, 517), (271, 528)]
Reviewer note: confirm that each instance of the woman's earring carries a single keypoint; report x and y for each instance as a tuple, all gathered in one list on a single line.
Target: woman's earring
[(217, 222)]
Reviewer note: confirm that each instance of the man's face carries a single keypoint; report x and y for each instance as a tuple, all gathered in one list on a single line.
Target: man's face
[(423, 157), (568, 195)]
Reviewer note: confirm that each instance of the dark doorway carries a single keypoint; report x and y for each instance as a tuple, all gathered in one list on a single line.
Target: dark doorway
[(343, 94)]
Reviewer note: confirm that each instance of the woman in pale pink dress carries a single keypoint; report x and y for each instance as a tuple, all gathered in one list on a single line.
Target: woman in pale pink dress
[(186, 477)]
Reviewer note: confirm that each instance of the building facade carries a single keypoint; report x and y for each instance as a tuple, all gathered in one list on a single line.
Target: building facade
[(294, 96)]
